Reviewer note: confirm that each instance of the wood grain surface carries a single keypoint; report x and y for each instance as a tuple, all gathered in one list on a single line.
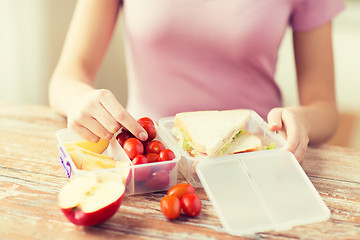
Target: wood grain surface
[(31, 177)]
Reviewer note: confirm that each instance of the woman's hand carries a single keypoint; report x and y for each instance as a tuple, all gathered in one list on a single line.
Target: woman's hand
[(97, 114), (292, 127), (316, 118)]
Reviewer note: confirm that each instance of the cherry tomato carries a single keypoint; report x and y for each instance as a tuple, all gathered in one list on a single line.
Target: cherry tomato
[(152, 157), (166, 155), (150, 129), (123, 136), (191, 204), (158, 180), (141, 173), (145, 143), (133, 147), (140, 159), (180, 190), (171, 207), (155, 146), (144, 119)]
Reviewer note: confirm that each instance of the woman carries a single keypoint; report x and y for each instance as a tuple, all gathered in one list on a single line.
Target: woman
[(200, 55)]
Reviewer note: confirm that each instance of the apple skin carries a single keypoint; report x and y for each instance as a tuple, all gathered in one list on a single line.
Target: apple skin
[(91, 199), (78, 217)]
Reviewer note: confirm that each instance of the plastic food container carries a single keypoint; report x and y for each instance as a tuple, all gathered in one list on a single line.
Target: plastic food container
[(254, 191), (251, 192), (163, 175), (256, 125)]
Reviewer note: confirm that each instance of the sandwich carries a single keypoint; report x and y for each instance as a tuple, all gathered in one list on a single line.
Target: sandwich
[(213, 133)]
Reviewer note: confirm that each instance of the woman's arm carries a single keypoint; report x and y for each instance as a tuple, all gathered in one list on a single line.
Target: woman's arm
[(316, 119), (85, 45), (92, 113)]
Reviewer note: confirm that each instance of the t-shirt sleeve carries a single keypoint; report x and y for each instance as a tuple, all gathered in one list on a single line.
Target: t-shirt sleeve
[(308, 14)]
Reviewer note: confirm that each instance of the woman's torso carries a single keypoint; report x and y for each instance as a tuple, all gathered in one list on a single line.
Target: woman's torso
[(185, 55)]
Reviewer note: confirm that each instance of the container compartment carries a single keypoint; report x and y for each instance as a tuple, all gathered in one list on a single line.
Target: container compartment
[(256, 125), (160, 182), (237, 203), (286, 189), (261, 192)]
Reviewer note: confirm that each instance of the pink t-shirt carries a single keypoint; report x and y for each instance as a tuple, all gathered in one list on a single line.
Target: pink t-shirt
[(210, 54)]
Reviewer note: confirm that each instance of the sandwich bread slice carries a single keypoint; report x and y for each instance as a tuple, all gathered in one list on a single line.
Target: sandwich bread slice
[(243, 142), (213, 133)]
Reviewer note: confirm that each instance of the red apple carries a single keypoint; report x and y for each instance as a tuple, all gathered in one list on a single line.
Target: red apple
[(91, 199)]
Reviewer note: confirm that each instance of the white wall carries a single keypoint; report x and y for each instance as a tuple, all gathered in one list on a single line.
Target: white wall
[(347, 56), (346, 33), (22, 38), (32, 34), (31, 37)]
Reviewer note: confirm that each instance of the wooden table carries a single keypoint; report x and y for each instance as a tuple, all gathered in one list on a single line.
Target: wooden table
[(31, 177)]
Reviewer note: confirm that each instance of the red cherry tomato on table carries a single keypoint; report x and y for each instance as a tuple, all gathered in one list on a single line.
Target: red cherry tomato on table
[(155, 146), (191, 204), (180, 190), (171, 207), (133, 147), (150, 129)]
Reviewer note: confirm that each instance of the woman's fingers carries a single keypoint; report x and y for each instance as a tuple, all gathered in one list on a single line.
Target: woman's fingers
[(275, 119), (300, 149), (284, 120), (101, 116), (93, 126), (84, 132), (119, 113), (106, 120), (292, 131)]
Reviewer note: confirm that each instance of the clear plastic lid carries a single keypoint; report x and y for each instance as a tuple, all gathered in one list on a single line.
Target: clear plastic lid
[(261, 192)]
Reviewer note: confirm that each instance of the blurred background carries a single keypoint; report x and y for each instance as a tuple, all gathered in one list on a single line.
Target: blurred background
[(32, 34)]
